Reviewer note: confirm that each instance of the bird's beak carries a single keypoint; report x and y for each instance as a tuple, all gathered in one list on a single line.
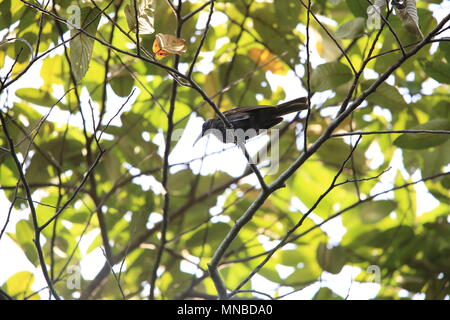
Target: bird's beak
[(198, 138)]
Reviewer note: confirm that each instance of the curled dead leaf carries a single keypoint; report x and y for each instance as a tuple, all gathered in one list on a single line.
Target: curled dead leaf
[(166, 44), (410, 20), (144, 11)]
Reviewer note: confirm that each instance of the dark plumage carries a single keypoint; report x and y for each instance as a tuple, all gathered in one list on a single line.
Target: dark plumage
[(250, 120)]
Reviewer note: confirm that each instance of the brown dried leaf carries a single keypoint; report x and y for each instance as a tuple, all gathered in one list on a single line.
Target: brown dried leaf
[(145, 16), (166, 44)]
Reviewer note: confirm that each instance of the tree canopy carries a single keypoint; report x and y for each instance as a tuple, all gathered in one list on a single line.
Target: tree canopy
[(95, 96)]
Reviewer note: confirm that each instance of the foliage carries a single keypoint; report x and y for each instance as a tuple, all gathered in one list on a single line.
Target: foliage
[(99, 167)]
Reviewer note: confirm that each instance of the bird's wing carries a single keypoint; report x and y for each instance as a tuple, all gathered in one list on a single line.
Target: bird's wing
[(239, 116), (253, 108), (243, 113)]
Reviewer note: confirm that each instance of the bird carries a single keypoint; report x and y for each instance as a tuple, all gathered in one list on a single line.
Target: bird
[(250, 121)]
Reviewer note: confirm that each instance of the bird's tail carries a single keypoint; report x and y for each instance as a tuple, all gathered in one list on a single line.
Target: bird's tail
[(292, 106)]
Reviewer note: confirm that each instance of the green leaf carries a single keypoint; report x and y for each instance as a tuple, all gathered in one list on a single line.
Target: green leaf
[(268, 25), (414, 87), (52, 72), (444, 46), (441, 109), (24, 238), (358, 7), (40, 168), (380, 239), (215, 234), (445, 182), (81, 46), (303, 276), (22, 48), (385, 96), (326, 294), (424, 140), (352, 29), (328, 76), (122, 84), (288, 12), (5, 14), (8, 174), (406, 202), (38, 97), (2, 58), (331, 260), (270, 272), (340, 151), (374, 211), (438, 70), (96, 243)]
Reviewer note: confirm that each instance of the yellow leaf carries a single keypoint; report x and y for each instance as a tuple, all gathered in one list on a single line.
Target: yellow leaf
[(267, 60), (325, 46)]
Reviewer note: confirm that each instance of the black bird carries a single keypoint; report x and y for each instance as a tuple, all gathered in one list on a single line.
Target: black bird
[(250, 120)]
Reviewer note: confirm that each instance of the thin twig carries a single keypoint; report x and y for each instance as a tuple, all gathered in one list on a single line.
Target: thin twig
[(308, 78), (303, 218), (385, 20), (280, 181), (199, 48), (331, 37), (359, 133), (37, 230), (165, 173)]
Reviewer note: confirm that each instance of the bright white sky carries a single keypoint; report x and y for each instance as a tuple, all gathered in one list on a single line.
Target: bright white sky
[(13, 260)]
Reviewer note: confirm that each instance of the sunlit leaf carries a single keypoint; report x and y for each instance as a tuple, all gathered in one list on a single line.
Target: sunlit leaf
[(24, 238), (19, 285), (267, 60), (81, 46), (254, 53), (352, 29), (325, 45), (39, 97)]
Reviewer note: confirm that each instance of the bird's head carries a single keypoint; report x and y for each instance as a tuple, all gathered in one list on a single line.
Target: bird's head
[(210, 126), (207, 125)]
